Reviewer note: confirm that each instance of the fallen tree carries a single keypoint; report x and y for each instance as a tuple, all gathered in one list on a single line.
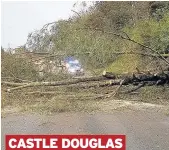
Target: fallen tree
[(107, 79), (55, 83)]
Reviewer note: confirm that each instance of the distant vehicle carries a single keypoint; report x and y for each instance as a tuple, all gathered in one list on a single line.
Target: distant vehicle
[(73, 66)]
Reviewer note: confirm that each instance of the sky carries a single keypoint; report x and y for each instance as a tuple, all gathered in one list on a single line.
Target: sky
[(20, 18)]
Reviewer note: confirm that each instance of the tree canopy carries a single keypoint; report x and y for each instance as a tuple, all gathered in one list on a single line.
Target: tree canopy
[(87, 33)]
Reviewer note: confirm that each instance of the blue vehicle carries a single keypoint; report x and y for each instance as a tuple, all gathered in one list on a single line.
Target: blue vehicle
[(73, 66)]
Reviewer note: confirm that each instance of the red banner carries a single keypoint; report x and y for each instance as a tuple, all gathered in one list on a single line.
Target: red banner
[(70, 142)]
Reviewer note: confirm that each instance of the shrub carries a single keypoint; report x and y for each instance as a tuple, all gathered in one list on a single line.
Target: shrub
[(17, 68)]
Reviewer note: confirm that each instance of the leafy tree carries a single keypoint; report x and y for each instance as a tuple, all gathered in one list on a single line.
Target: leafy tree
[(79, 35)]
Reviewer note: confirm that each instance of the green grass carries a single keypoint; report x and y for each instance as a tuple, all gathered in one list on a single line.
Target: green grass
[(124, 63)]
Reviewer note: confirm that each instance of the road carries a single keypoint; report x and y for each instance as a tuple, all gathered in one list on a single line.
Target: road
[(144, 130)]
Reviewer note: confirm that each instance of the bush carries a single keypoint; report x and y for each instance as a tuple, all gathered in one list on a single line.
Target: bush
[(151, 32), (17, 68)]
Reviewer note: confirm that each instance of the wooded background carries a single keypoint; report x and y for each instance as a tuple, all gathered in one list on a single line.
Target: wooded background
[(114, 36)]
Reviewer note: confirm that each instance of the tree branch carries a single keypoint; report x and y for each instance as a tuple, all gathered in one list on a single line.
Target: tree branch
[(140, 53), (129, 39), (76, 13)]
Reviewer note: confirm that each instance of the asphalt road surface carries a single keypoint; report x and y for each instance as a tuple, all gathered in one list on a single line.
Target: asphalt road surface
[(144, 130)]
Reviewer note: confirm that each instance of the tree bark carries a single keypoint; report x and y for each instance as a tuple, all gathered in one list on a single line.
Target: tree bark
[(55, 83), (100, 81)]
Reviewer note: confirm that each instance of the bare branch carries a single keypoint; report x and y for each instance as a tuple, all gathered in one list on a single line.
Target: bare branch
[(46, 25), (117, 89), (18, 79), (139, 53), (76, 13), (134, 89)]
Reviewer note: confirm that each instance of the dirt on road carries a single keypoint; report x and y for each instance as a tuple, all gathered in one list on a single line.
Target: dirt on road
[(146, 126)]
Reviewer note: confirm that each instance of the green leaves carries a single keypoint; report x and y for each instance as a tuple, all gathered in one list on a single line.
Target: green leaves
[(151, 32), (135, 18)]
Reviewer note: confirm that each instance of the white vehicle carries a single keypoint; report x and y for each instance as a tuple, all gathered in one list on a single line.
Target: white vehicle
[(73, 67)]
